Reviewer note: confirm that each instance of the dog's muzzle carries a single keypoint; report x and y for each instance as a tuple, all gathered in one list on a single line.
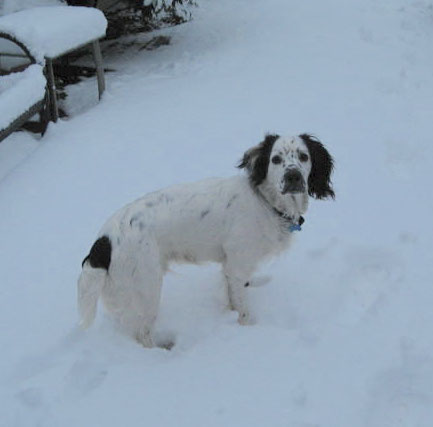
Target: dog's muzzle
[(293, 182)]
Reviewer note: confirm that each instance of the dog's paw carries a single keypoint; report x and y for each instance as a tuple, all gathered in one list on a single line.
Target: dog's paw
[(165, 340), (245, 319), (145, 340)]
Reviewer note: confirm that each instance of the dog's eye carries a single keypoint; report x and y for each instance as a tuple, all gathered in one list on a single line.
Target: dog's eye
[(303, 157), (276, 160)]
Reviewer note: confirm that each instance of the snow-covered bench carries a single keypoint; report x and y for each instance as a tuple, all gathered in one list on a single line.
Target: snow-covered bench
[(51, 32), (22, 95)]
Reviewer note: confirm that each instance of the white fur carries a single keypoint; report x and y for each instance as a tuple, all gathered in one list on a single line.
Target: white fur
[(221, 220)]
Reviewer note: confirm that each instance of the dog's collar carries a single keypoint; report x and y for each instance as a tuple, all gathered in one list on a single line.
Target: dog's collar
[(292, 225), (289, 221)]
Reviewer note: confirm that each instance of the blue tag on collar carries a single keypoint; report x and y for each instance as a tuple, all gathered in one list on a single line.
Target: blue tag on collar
[(294, 227)]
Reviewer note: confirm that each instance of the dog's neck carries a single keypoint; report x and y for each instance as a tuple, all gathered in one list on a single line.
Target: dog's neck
[(289, 206)]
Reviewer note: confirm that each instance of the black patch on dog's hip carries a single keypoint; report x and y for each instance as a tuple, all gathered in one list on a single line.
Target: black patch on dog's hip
[(100, 254)]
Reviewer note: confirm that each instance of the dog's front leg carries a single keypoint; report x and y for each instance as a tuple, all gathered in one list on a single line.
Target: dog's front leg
[(236, 287)]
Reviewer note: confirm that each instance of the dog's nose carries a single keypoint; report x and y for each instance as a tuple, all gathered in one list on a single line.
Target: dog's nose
[(293, 182)]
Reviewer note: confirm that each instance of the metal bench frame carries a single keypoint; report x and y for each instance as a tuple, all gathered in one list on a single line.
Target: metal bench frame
[(39, 107)]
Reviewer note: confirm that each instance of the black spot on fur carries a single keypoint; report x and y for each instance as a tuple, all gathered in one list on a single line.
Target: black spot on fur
[(256, 160), (100, 254), (204, 213), (247, 284), (319, 181), (232, 199), (135, 218)]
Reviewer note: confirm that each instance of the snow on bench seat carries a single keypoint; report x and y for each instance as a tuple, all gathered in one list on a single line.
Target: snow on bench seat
[(51, 31), (19, 92)]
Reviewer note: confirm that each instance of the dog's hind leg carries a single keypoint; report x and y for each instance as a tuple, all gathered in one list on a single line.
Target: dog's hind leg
[(141, 318), (133, 290)]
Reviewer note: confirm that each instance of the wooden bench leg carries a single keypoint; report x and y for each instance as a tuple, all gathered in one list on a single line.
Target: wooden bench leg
[(54, 110), (99, 67)]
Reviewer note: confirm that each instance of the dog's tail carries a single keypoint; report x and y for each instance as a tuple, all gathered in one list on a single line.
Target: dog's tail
[(92, 280)]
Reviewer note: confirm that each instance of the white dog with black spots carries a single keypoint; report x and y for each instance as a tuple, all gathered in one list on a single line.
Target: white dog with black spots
[(237, 222)]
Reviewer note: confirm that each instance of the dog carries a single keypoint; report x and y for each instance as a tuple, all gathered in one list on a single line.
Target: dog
[(237, 222)]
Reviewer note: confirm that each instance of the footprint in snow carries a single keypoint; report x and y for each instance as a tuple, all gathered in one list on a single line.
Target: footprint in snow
[(84, 377), (31, 397)]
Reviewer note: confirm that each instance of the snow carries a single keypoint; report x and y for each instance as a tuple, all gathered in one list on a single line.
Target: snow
[(10, 6), (19, 92), (53, 30), (343, 332)]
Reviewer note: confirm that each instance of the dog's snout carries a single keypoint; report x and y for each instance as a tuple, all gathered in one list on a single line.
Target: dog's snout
[(293, 181), (293, 176)]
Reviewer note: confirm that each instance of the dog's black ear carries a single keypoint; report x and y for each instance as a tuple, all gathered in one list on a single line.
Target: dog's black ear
[(319, 181), (256, 160)]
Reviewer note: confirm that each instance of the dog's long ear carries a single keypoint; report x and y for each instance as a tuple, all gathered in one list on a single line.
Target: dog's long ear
[(256, 160), (319, 181)]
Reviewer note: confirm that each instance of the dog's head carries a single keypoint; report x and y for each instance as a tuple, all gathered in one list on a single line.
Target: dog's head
[(291, 165)]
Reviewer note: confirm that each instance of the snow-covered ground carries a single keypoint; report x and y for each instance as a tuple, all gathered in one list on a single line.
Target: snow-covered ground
[(344, 319)]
